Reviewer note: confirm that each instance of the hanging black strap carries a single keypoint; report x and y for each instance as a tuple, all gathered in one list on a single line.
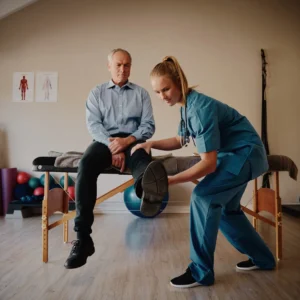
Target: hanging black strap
[(264, 133)]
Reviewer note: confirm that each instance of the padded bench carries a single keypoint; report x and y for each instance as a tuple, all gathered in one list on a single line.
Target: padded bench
[(57, 199)]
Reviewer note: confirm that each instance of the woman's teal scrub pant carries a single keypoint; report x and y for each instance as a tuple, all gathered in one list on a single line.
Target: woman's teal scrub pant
[(215, 203)]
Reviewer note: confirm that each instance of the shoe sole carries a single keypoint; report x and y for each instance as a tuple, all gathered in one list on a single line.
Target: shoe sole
[(78, 266), (186, 286), (247, 269), (155, 188)]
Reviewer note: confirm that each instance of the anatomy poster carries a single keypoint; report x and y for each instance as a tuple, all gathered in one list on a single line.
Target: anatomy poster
[(23, 86), (46, 87)]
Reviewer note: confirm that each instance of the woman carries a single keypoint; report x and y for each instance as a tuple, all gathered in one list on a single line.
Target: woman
[(232, 154)]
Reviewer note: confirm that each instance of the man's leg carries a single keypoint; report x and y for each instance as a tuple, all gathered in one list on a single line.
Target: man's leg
[(151, 180), (96, 158), (137, 163)]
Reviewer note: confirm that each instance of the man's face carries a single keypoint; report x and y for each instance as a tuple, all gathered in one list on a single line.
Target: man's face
[(119, 68)]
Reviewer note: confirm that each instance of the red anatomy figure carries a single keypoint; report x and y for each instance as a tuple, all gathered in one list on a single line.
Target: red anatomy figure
[(23, 86)]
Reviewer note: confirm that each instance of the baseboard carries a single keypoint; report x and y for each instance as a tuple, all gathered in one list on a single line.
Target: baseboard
[(291, 209)]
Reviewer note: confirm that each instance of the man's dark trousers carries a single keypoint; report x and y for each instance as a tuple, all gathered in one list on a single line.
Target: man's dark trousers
[(95, 160)]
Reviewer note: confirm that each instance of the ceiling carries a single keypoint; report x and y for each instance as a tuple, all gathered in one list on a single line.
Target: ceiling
[(8, 7)]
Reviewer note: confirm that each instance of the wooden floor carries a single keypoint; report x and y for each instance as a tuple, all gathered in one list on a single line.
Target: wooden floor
[(135, 259)]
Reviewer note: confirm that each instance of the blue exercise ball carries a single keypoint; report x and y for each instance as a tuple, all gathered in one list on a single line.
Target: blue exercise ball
[(62, 181), (22, 190), (34, 182), (133, 203), (54, 186), (42, 180)]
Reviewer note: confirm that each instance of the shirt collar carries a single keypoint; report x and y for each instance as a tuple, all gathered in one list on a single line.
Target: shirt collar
[(112, 84)]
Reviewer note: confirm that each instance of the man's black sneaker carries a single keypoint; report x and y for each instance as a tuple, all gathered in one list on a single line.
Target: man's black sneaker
[(155, 188), (80, 251), (246, 265), (185, 280)]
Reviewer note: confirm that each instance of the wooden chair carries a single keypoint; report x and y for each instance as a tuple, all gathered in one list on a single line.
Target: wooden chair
[(268, 200)]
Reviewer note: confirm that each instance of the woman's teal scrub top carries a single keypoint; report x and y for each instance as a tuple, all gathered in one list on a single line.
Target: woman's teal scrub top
[(216, 126)]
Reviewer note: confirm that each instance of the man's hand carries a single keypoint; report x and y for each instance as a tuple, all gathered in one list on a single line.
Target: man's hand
[(118, 161), (117, 145), (146, 146)]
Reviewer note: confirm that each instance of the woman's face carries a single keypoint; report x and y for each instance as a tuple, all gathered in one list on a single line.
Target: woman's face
[(166, 90)]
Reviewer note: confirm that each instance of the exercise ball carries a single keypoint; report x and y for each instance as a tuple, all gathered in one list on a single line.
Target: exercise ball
[(39, 191), (71, 192), (22, 190), (32, 198), (34, 182), (62, 181), (22, 177), (54, 186), (42, 180), (26, 199), (133, 203)]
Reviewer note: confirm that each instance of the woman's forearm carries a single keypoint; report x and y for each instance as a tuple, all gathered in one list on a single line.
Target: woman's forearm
[(199, 170), (166, 144)]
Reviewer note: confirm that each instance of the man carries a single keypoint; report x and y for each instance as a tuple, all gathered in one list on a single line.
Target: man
[(119, 116)]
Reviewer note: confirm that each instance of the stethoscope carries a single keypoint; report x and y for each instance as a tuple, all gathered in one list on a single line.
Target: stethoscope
[(184, 139)]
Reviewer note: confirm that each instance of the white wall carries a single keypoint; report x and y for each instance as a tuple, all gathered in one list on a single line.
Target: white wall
[(217, 43)]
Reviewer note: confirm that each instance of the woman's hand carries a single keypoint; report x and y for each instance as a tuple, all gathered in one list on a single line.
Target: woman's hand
[(171, 180), (146, 146)]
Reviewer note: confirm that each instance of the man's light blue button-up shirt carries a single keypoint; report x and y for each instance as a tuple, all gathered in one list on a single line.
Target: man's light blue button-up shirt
[(111, 110)]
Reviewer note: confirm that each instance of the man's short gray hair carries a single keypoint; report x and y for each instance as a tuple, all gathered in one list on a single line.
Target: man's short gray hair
[(111, 54)]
